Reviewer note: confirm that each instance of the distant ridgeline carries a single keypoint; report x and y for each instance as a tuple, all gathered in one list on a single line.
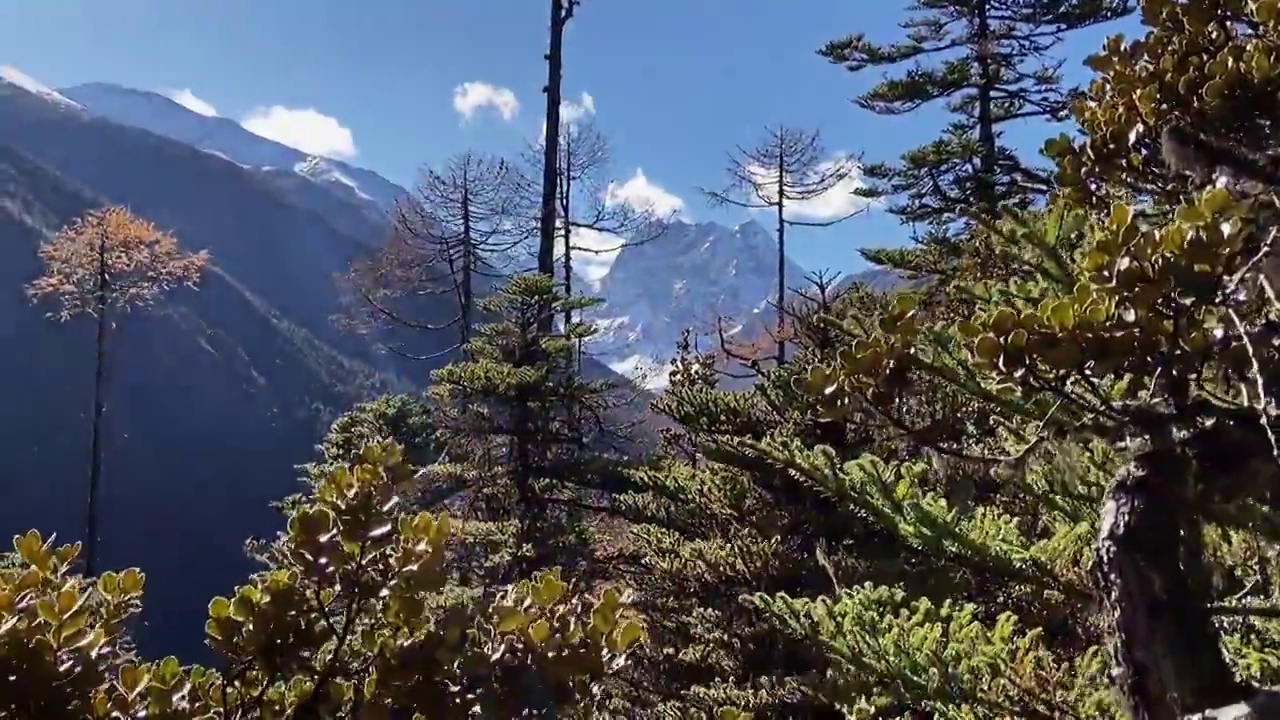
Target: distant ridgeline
[(213, 398)]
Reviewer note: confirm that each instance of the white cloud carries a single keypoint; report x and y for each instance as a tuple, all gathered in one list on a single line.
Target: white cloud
[(594, 252), (188, 100), (571, 113), (838, 202), (307, 130), (469, 97), (645, 196)]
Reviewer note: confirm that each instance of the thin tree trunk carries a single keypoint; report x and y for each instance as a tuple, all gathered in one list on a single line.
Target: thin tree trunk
[(566, 209), (467, 259), (560, 14), (99, 388), (782, 263), (988, 157), (568, 290)]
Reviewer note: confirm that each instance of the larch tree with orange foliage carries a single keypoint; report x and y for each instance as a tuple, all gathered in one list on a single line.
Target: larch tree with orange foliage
[(109, 260)]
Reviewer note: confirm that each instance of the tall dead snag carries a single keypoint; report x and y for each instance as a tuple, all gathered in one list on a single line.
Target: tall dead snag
[(448, 235), (788, 167), (108, 260), (561, 13), (584, 202)]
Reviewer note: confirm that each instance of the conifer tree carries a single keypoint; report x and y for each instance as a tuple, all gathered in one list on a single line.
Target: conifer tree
[(719, 517), (109, 261), (510, 420), (1130, 346), (991, 63)]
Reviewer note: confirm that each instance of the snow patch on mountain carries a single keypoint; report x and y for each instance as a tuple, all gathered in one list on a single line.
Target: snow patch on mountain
[(651, 373), (19, 79), (324, 171), (161, 115), (700, 276), (221, 156)]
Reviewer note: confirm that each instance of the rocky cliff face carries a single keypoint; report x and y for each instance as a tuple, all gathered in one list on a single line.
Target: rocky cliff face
[(692, 275)]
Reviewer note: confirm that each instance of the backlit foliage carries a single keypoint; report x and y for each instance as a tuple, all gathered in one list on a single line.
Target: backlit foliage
[(113, 258), (899, 522), (1140, 311), (958, 577), (1214, 64), (342, 624)]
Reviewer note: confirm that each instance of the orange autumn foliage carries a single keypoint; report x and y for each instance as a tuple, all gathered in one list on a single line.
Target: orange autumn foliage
[(110, 257)]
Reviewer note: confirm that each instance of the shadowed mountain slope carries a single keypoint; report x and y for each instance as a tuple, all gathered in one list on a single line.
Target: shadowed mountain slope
[(214, 396)]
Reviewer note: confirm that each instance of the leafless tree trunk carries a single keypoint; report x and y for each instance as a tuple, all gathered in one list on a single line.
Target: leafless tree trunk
[(817, 297), (583, 201), (449, 235), (561, 13), (99, 407), (789, 166)]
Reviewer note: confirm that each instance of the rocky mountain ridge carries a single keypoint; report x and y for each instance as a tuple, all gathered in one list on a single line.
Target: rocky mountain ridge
[(693, 275)]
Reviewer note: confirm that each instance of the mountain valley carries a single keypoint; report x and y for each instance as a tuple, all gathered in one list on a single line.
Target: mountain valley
[(252, 363)]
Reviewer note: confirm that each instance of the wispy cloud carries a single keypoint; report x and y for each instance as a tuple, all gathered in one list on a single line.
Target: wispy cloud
[(471, 97), (571, 113), (642, 194), (188, 100), (304, 129), (594, 252), (838, 202)]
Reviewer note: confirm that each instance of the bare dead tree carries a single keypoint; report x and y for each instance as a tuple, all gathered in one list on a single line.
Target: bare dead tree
[(561, 13), (799, 321), (447, 237), (584, 201), (789, 166)]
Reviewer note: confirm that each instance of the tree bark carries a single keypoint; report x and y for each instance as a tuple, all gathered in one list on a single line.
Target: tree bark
[(1165, 650), (468, 258), (781, 347), (561, 11), (988, 202), (99, 406)]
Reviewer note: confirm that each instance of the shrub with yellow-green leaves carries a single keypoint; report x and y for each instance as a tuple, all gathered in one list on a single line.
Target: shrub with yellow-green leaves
[(1212, 64), (1144, 310), (344, 623), (1138, 301), (1146, 300), (1136, 294)]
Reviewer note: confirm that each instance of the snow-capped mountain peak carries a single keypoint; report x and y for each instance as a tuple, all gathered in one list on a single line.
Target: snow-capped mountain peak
[(13, 76), (322, 170), (161, 115), (692, 275)]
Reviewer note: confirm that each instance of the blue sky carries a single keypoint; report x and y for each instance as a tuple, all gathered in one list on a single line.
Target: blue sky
[(674, 83)]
